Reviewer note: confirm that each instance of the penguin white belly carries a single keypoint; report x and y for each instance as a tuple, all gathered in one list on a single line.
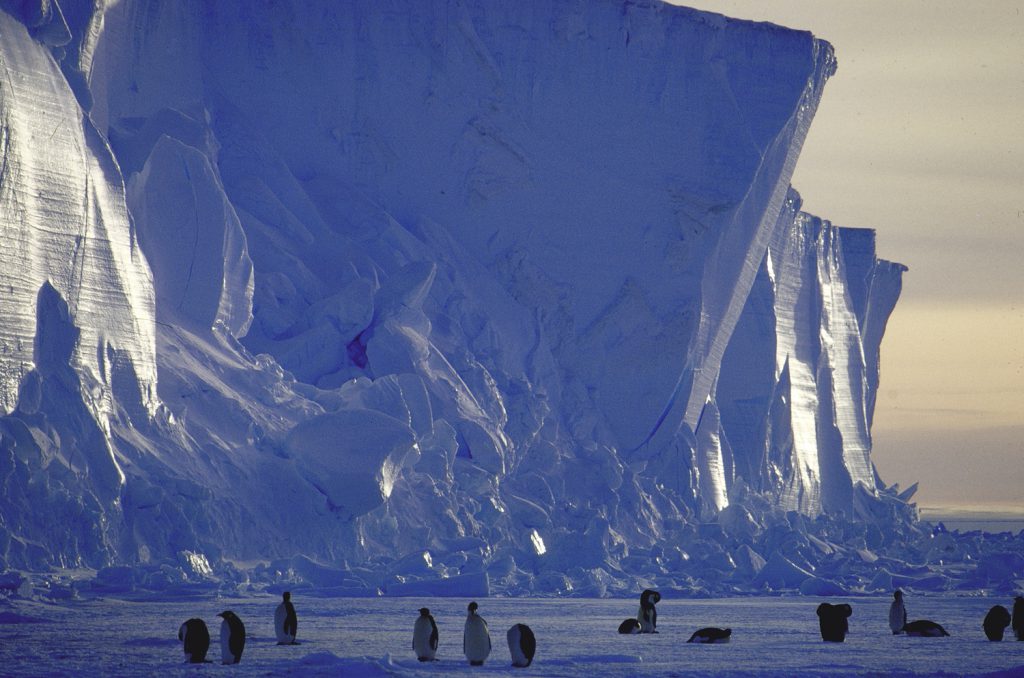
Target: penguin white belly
[(280, 615), (477, 640), (897, 617), (225, 644), (421, 633), (646, 622)]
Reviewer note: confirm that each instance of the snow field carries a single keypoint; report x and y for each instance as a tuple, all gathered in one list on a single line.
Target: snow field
[(577, 637)]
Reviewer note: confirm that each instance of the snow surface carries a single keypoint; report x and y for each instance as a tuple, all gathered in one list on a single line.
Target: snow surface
[(770, 636), (434, 298)]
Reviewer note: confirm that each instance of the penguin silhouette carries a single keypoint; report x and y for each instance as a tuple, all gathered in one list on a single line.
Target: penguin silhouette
[(424, 636), (286, 622), (924, 628), (648, 615), (1018, 617), (522, 644), (897, 613), (710, 635), (833, 621), (476, 639), (996, 621), (195, 639), (629, 626), (232, 638)]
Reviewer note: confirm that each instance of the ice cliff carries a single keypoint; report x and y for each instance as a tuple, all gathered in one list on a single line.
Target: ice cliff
[(427, 296)]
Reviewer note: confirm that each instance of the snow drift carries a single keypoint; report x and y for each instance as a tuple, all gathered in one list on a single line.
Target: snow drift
[(516, 293)]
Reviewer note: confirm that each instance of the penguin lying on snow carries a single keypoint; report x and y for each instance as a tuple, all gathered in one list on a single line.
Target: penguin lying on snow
[(648, 615), (710, 635), (996, 621), (476, 639), (286, 622), (424, 636), (232, 638), (629, 626), (195, 640), (832, 620), (924, 628), (522, 644)]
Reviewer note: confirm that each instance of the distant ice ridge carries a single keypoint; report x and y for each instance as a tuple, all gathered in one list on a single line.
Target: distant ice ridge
[(428, 297)]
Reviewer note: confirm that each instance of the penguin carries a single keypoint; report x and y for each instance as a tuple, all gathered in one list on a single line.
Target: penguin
[(1018, 617), (232, 638), (924, 628), (629, 626), (286, 623), (195, 638), (897, 613), (833, 621), (996, 621), (476, 639), (648, 615), (710, 635), (522, 644), (424, 636)]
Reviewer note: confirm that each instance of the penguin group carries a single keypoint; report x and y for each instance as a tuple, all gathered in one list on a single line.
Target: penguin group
[(833, 621), (476, 639), (195, 636)]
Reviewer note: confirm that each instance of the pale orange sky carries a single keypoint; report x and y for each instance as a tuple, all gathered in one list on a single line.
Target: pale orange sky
[(920, 135)]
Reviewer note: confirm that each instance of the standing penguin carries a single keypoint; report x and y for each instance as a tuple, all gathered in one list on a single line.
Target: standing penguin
[(232, 638), (648, 615), (1018, 617), (195, 639), (522, 644), (424, 636), (833, 621), (996, 621), (476, 639), (286, 622), (897, 613)]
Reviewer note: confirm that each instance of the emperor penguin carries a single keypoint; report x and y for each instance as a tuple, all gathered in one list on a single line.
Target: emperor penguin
[(522, 644), (1018, 617), (648, 615), (232, 638), (424, 636), (897, 613), (710, 635), (629, 627), (996, 621), (286, 622), (833, 621), (195, 639), (476, 639), (924, 628)]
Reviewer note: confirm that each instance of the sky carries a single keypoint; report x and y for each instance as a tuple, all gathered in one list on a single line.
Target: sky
[(920, 135)]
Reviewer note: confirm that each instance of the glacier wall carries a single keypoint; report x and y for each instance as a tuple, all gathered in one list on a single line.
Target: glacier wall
[(431, 289)]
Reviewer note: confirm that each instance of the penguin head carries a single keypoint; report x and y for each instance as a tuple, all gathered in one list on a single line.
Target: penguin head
[(897, 594), (226, 614), (287, 595), (472, 607), (650, 596), (424, 611)]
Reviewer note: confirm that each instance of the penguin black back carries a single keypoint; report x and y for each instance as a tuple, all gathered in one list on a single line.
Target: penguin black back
[(833, 621), (629, 626), (924, 628), (195, 638), (996, 621), (1018, 617), (710, 635)]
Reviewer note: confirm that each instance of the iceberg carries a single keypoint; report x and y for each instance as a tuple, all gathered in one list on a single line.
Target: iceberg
[(308, 290)]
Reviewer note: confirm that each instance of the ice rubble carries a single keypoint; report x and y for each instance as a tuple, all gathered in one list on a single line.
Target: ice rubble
[(436, 298)]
